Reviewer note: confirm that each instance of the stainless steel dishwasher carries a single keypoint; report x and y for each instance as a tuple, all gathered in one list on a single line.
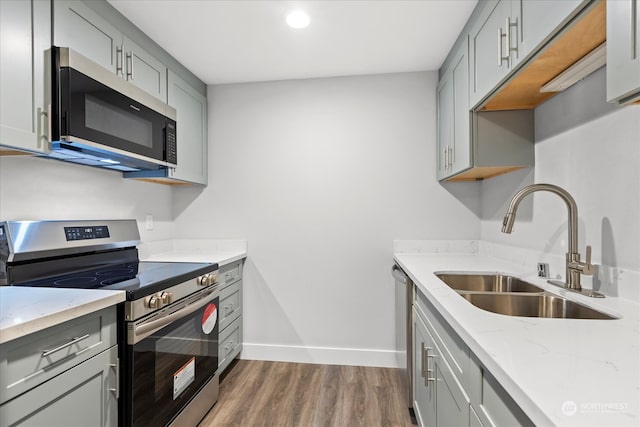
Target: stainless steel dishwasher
[(404, 331)]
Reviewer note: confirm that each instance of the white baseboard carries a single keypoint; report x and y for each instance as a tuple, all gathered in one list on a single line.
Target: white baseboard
[(319, 355)]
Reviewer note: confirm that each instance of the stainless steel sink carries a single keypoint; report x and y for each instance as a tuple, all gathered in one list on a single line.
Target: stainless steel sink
[(504, 294), (486, 282), (528, 305)]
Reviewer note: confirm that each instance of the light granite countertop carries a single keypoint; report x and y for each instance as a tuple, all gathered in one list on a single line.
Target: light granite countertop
[(566, 372), (221, 252), (25, 310)]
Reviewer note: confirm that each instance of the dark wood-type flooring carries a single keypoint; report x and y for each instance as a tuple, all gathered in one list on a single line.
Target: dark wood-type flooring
[(258, 393)]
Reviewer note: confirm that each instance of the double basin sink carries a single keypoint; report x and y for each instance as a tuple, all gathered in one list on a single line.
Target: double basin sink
[(504, 294)]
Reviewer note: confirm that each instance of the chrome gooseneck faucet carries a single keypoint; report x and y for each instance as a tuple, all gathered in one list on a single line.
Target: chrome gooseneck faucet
[(574, 267)]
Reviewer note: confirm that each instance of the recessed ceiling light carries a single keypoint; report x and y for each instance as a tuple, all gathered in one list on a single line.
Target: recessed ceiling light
[(298, 19)]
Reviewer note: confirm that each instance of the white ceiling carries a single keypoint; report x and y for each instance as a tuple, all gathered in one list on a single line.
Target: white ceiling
[(248, 41)]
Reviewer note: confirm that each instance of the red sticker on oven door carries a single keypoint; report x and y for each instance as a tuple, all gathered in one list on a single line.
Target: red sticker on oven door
[(209, 318)]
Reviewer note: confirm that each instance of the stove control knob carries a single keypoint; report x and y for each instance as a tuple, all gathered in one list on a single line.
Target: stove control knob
[(203, 280), (214, 278), (155, 302), (166, 298)]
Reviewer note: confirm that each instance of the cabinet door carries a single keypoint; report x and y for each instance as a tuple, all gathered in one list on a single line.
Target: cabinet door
[(191, 124), (424, 390), (80, 28), (623, 51), (454, 132), (461, 155), (144, 70), (25, 35), (474, 421), (80, 397), (488, 49), (445, 123), (534, 21), (452, 403)]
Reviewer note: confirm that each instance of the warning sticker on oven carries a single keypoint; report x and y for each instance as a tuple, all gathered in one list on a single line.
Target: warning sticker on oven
[(209, 318), (183, 377)]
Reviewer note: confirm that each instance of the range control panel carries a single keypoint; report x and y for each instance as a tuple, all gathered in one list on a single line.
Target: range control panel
[(86, 233)]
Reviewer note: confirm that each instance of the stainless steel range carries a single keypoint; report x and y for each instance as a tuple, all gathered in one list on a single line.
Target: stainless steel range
[(168, 326)]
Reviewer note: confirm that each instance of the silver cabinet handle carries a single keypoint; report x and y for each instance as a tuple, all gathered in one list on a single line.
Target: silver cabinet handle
[(422, 361), (446, 162), (508, 25), (130, 66), (116, 368), (500, 47), (428, 371), (74, 340), (119, 61), (44, 115), (501, 35), (451, 157)]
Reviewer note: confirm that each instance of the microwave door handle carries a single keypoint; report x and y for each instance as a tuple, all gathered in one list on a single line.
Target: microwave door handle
[(145, 329)]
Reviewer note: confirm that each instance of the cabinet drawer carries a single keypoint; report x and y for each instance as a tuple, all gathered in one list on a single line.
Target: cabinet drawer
[(230, 344), (453, 348), (227, 274), (31, 360), (230, 304), (80, 397)]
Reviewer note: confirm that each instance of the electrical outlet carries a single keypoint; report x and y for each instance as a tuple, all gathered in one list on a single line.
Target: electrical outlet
[(149, 222), (543, 269)]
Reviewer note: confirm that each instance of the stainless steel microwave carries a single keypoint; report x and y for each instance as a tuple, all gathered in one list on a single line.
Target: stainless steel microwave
[(99, 119)]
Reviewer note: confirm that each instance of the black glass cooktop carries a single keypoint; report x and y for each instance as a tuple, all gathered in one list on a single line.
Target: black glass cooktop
[(137, 278)]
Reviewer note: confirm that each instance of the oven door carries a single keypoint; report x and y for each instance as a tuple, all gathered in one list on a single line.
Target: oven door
[(170, 356)]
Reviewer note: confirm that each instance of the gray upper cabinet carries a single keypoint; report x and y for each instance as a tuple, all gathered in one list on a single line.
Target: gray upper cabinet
[(535, 22), (505, 32), (454, 148), (623, 51), (191, 108), (82, 29), (25, 35), (489, 55), (144, 70)]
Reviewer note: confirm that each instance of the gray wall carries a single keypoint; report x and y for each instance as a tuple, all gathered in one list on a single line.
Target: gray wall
[(321, 176), (592, 149), (33, 188)]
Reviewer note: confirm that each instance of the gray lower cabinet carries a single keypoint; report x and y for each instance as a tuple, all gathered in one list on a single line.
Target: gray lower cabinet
[(25, 36), (66, 375), (230, 318), (492, 405), (79, 397), (440, 399), (424, 390), (451, 386), (623, 51), (84, 30)]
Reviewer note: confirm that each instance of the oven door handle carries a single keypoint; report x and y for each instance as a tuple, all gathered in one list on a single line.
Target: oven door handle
[(145, 329)]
